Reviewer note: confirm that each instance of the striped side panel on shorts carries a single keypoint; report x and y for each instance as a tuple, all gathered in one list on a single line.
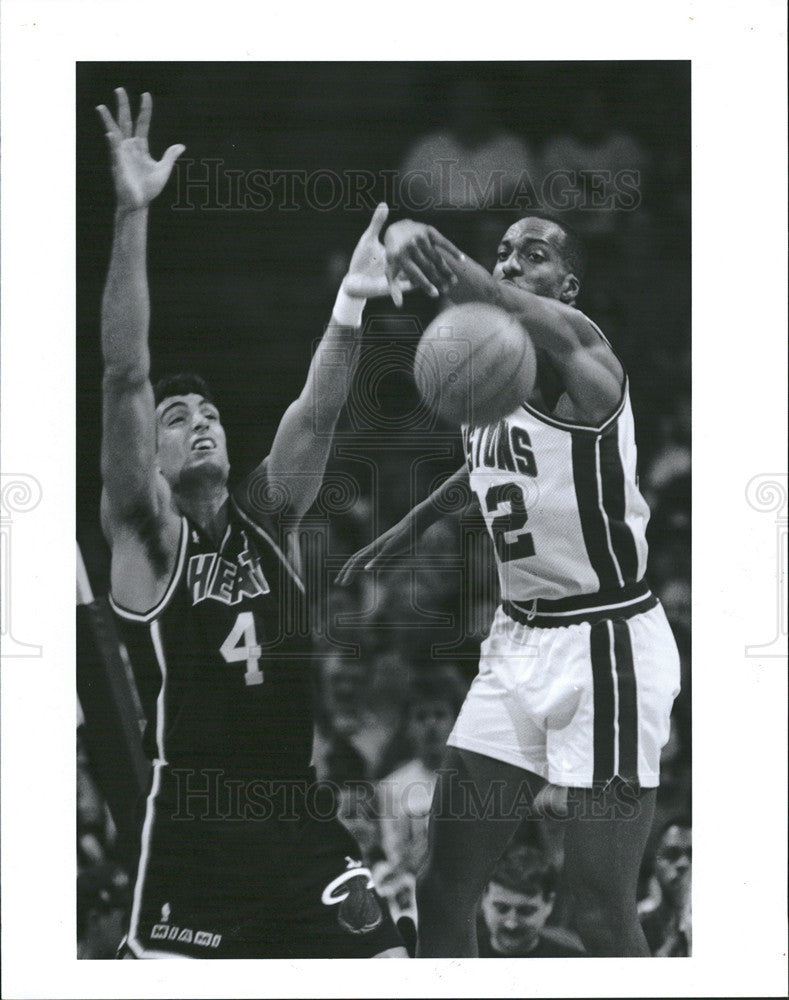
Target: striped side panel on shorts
[(615, 703), (603, 703), (628, 702)]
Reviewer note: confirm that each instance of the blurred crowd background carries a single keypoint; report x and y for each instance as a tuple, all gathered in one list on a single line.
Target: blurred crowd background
[(247, 246)]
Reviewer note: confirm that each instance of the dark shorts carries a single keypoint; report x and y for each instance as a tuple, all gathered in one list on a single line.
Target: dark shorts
[(292, 888)]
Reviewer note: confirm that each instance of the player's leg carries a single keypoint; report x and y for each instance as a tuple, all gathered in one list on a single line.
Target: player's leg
[(327, 903), (605, 837), (477, 806), (627, 672)]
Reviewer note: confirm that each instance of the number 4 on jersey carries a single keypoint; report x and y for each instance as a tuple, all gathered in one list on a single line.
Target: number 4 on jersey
[(242, 644)]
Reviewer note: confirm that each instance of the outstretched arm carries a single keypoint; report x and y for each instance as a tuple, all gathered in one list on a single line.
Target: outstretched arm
[(303, 440), (400, 538), (134, 496), (590, 372)]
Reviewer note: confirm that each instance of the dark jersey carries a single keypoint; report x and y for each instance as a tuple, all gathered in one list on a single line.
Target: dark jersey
[(220, 662), (228, 867)]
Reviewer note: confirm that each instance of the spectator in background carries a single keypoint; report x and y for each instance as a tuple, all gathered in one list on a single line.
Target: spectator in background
[(95, 829), (356, 811), (667, 924), (471, 162), (103, 903), (468, 167), (359, 711), (404, 796), (515, 907), (597, 173), (672, 457)]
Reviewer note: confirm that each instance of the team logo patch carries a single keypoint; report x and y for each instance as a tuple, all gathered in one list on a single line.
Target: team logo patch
[(353, 892)]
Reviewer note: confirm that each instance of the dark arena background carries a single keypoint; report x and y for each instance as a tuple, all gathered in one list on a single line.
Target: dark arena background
[(248, 243)]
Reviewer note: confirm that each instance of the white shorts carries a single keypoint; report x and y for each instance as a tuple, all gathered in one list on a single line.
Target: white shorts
[(577, 705)]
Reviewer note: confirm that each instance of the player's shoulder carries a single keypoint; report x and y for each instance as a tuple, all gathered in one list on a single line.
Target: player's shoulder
[(587, 330), (256, 501), (592, 339), (263, 507)]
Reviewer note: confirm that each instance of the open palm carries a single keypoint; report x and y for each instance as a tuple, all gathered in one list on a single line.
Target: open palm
[(137, 176), (366, 278)]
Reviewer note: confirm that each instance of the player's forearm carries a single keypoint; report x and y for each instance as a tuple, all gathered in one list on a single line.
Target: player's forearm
[(331, 372), (125, 306), (302, 443)]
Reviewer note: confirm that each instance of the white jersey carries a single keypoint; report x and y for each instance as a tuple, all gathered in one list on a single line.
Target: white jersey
[(561, 503)]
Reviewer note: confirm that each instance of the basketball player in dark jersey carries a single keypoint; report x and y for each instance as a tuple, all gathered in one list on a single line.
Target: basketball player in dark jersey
[(240, 857), (579, 672)]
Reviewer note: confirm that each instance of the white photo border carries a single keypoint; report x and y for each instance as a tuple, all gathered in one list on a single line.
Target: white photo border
[(739, 411)]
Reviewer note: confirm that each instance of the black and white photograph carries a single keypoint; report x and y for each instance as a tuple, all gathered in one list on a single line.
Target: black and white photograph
[(504, 303), (393, 464)]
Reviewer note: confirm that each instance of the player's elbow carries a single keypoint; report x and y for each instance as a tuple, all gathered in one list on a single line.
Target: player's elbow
[(127, 377)]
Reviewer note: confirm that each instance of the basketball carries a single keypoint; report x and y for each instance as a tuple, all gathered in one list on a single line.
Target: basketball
[(475, 364)]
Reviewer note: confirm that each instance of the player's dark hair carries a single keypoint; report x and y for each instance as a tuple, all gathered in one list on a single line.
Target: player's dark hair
[(524, 869), (437, 684), (573, 249), (182, 384)]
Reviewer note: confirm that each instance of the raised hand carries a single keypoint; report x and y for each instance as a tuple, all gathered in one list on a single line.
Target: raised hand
[(419, 253), (366, 278), (138, 178)]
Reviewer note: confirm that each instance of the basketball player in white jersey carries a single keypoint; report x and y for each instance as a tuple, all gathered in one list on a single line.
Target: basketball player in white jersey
[(580, 669)]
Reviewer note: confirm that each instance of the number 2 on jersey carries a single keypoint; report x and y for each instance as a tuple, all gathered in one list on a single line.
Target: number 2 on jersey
[(509, 537), (242, 644)]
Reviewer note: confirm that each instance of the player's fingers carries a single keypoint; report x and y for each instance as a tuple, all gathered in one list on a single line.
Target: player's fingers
[(395, 291), (420, 280), (392, 282), (444, 244), (343, 576), (172, 154), (428, 264), (110, 126), (380, 215), (349, 570), (144, 117), (443, 267), (124, 112)]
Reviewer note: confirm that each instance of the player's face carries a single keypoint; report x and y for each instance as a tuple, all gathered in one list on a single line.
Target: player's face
[(673, 862), (190, 440), (514, 919), (530, 257)]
